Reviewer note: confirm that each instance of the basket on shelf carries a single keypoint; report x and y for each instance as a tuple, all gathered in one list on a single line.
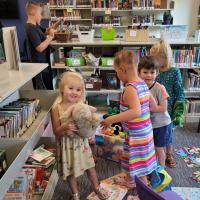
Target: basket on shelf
[(63, 36), (107, 61), (108, 33), (86, 36), (75, 62)]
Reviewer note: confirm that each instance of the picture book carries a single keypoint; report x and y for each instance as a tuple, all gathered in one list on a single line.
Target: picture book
[(40, 154), (119, 181), (46, 162), (115, 193)]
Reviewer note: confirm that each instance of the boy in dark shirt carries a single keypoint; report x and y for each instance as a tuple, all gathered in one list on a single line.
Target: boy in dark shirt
[(38, 40)]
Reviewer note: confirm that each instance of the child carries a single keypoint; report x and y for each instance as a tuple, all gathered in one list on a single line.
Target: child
[(171, 79), (74, 153), (139, 153), (37, 43), (161, 121)]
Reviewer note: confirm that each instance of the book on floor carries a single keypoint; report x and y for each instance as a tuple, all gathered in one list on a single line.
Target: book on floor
[(115, 193), (118, 180)]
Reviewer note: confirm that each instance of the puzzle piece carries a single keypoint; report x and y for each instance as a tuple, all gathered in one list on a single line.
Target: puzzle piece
[(181, 153)]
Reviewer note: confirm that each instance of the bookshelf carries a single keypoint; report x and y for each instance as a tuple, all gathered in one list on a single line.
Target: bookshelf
[(185, 54), (76, 12), (118, 14), (18, 149)]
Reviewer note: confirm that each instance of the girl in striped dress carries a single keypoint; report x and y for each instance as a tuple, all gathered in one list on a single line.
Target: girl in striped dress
[(139, 153)]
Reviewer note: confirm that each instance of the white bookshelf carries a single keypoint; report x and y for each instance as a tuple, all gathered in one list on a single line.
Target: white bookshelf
[(12, 80), (18, 149)]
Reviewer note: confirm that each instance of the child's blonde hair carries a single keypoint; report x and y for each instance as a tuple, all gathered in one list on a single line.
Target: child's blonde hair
[(65, 78), (31, 8), (125, 58), (163, 49)]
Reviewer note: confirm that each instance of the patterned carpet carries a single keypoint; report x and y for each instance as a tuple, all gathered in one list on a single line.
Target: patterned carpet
[(181, 174)]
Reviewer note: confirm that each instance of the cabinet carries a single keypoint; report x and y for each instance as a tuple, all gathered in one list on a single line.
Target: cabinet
[(184, 56), (18, 149)]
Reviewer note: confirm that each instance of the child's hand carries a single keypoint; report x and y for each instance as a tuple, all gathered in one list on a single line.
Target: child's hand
[(70, 127), (106, 122), (52, 32)]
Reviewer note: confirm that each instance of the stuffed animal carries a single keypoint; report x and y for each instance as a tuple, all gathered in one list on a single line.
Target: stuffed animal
[(178, 113), (85, 120)]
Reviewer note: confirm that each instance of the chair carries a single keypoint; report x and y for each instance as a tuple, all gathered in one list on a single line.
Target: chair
[(146, 193)]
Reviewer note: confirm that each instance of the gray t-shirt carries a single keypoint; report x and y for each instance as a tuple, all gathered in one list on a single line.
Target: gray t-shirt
[(161, 119)]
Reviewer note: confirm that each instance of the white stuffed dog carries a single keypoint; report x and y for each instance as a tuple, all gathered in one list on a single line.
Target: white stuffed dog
[(83, 117)]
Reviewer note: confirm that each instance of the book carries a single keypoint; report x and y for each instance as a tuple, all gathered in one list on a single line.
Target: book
[(40, 154), (114, 192), (118, 181), (46, 162)]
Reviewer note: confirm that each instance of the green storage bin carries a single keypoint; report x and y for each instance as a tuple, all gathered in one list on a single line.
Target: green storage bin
[(108, 33), (107, 61), (75, 62)]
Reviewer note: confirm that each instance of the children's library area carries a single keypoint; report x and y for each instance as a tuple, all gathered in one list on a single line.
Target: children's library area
[(100, 99)]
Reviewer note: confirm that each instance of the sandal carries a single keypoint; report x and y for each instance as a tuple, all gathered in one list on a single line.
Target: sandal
[(170, 161), (76, 196), (102, 193)]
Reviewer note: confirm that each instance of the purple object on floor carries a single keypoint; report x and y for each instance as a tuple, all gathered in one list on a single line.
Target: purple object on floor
[(145, 192)]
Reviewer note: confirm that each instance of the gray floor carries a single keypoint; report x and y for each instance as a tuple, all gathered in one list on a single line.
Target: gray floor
[(181, 174)]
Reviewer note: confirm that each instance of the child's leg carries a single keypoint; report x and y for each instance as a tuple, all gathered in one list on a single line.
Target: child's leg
[(170, 161), (92, 175), (73, 184), (160, 152)]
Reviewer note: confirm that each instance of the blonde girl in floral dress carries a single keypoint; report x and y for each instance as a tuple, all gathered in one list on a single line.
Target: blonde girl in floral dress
[(74, 155)]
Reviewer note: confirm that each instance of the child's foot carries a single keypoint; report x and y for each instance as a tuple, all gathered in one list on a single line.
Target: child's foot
[(131, 197), (102, 193), (170, 161), (125, 182), (76, 196)]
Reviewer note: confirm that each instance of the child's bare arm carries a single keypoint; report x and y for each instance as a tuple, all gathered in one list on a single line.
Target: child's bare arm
[(154, 107), (43, 45), (59, 129), (131, 99)]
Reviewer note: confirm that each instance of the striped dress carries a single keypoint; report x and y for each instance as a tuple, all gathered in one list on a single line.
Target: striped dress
[(139, 153)]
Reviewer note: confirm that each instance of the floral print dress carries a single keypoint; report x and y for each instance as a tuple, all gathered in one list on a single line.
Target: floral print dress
[(74, 154)]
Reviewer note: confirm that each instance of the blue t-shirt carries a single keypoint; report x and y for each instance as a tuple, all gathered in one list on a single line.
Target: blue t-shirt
[(35, 35)]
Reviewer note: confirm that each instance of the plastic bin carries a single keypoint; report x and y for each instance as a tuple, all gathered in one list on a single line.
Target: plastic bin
[(74, 62), (86, 36), (107, 61), (108, 33)]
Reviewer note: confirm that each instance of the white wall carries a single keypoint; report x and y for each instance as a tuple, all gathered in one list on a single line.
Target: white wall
[(186, 13)]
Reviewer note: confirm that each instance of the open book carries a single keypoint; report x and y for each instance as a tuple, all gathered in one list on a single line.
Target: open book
[(40, 154), (115, 187)]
